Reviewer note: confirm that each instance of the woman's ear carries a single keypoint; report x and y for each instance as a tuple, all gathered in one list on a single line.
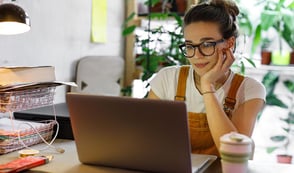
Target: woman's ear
[(231, 43)]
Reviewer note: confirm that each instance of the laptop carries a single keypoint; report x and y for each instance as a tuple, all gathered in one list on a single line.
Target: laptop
[(131, 133)]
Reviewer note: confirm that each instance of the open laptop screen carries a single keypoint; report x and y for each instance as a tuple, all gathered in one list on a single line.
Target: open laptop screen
[(123, 132)]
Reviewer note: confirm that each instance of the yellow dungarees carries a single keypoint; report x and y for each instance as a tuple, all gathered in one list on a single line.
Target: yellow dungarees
[(200, 136)]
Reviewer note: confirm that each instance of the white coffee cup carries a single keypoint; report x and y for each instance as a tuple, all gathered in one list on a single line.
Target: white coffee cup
[(235, 151)]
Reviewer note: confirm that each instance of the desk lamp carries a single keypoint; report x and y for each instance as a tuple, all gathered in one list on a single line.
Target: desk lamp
[(13, 19)]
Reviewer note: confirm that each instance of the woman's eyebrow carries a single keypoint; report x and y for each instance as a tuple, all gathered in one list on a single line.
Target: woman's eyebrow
[(188, 41), (206, 38), (201, 40)]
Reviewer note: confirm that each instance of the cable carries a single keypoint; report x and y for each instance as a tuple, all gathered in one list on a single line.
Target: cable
[(49, 144)]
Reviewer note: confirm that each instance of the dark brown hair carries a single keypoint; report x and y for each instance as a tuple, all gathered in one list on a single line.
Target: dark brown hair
[(223, 12)]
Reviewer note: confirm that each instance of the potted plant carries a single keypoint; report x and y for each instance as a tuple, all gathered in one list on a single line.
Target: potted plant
[(288, 28), (266, 53), (154, 52), (245, 31), (157, 52), (270, 81), (288, 35), (279, 16)]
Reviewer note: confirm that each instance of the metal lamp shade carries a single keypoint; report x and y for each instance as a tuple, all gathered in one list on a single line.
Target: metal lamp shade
[(13, 19)]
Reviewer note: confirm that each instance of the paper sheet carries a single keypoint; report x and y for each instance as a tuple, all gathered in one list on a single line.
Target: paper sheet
[(99, 21)]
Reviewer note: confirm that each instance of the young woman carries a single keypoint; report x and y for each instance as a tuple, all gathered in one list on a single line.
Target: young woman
[(218, 100)]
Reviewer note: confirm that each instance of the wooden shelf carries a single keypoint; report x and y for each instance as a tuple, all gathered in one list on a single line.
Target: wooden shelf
[(262, 69)]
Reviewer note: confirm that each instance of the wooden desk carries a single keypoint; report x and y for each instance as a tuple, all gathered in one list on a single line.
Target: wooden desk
[(68, 162)]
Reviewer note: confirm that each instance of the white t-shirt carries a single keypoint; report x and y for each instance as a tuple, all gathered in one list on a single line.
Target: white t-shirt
[(165, 83)]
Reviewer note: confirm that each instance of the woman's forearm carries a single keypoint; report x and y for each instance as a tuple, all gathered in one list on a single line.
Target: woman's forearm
[(218, 122)]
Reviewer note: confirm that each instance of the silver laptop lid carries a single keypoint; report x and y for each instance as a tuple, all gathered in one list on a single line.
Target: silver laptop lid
[(123, 132)]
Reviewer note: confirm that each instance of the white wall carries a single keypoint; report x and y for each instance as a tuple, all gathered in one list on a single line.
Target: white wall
[(60, 35)]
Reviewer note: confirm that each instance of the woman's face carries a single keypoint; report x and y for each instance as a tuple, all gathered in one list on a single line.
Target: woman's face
[(197, 33)]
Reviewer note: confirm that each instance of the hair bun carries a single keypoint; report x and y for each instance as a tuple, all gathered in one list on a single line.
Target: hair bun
[(228, 5)]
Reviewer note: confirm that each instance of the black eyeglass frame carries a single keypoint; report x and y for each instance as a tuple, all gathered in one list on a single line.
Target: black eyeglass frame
[(214, 43)]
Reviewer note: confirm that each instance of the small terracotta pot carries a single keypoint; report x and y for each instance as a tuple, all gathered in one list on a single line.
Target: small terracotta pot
[(292, 57), (284, 158), (266, 57)]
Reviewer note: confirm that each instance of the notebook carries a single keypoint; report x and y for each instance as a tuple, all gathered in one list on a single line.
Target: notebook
[(132, 133)]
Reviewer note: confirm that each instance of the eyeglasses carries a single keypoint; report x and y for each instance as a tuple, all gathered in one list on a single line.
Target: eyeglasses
[(206, 48)]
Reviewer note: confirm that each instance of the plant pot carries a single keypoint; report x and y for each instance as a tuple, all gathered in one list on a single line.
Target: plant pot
[(266, 57), (280, 58), (292, 57), (284, 158)]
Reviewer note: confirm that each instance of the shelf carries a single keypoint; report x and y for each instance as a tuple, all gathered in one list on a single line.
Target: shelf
[(262, 69)]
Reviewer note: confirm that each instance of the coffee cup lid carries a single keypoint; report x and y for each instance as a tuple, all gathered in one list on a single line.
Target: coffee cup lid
[(235, 138)]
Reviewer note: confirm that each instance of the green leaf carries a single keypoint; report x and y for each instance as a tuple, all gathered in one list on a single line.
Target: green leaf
[(151, 63), (268, 18), (278, 138), (272, 100), (146, 75), (251, 62), (159, 16), (245, 24), (286, 129), (127, 91), (288, 36), (129, 30), (242, 68), (153, 2), (130, 17), (271, 149), (288, 18), (177, 18), (291, 118), (270, 80), (256, 39), (289, 85)]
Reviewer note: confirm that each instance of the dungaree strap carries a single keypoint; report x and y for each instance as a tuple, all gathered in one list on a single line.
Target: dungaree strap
[(181, 89), (230, 100)]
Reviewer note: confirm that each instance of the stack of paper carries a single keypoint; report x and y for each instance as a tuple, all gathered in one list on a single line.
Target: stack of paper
[(20, 78), (19, 75), (16, 134)]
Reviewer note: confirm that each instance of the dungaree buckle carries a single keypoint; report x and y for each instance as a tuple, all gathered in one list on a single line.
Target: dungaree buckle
[(180, 98), (229, 104)]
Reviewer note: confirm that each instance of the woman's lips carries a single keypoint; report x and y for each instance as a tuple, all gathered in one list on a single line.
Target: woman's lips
[(200, 65)]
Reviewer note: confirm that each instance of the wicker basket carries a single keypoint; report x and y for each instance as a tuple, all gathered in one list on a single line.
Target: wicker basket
[(23, 99), (15, 140), (26, 99)]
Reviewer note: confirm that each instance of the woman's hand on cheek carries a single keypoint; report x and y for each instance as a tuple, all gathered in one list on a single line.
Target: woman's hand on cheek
[(225, 60), (228, 59)]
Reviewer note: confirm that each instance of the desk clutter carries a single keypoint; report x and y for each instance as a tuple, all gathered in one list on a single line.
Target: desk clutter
[(23, 88), (47, 113), (24, 163), (15, 134)]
